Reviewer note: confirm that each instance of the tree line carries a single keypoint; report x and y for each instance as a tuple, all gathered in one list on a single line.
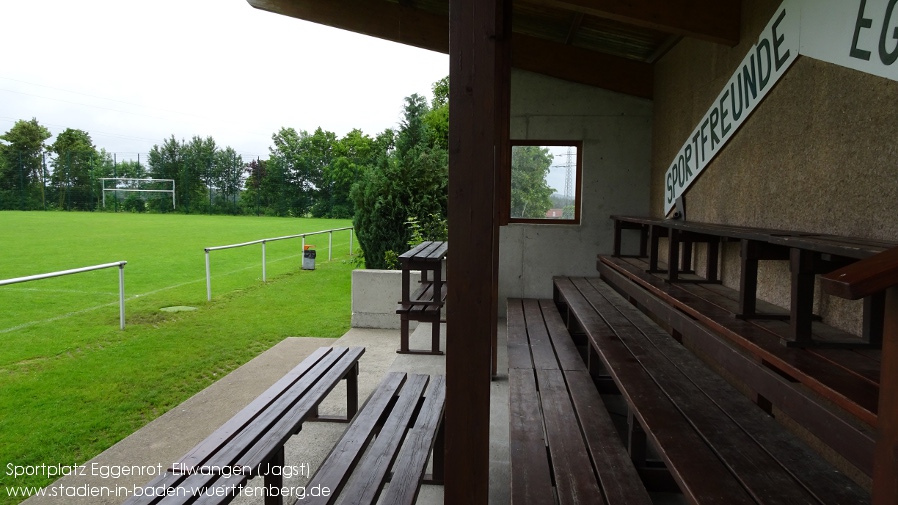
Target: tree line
[(394, 185)]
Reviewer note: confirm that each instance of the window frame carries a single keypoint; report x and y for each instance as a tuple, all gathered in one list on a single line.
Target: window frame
[(578, 181)]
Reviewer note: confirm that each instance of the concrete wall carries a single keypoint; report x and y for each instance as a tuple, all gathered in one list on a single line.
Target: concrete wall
[(819, 154), (616, 133), (375, 294)]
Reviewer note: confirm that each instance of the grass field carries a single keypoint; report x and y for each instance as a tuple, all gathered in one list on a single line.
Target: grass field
[(72, 383)]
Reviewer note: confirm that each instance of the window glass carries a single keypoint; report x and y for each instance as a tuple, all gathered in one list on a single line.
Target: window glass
[(545, 181)]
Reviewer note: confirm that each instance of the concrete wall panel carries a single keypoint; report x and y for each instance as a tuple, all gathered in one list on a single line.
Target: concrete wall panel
[(616, 133)]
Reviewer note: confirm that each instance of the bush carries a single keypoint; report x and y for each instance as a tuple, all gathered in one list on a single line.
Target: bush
[(388, 197)]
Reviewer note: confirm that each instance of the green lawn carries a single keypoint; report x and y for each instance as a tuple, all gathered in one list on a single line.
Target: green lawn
[(72, 383)]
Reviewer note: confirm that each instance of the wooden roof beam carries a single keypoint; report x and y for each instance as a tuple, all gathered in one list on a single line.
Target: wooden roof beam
[(377, 18), (712, 20), (397, 23), (575, 64)]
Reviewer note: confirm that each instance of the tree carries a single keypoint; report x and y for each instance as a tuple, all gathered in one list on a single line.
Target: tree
[(530, 193), (288, 174), (438, 117), (73, 170), (255, 197), (406, 184), (352, 156), (228, 178), (198, 158), (22, 169)]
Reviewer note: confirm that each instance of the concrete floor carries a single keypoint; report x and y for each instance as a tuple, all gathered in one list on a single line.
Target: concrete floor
[(164, 440)]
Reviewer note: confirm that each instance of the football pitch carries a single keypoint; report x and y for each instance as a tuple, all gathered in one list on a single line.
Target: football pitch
[(72, 383)]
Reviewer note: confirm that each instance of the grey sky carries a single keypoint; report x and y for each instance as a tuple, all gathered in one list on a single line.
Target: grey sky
[(134, 73)]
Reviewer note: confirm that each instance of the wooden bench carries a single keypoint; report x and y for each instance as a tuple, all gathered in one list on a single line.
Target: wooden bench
[(409, 431), (562, 441), (833, 393), (808, 253), (252, 442), (425, 303), (718, 446)]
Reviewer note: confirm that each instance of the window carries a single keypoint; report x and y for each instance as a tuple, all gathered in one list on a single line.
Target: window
[(545, 181)]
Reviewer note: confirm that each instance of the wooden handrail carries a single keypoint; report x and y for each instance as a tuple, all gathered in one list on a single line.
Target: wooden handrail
[(863, 278)]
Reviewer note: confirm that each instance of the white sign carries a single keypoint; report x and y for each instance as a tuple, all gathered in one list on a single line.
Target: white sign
[(858, 34), (765, 63)]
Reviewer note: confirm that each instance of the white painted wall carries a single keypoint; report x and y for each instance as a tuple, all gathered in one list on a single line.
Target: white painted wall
[(616, 131)]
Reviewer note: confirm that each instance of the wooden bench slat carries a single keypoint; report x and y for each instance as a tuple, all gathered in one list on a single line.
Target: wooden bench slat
[(843, 359), (540, 345), (575, 481), (228, 485), (819, 480), (757, 471), (365, 484), (565, 350), (307, 368), (414, 251), (531, 480), (335, 469), (850, 392), (696, 468), (618, 478), (234, 439), (518, 345), (798, 402), (419, 442), (255, 445)]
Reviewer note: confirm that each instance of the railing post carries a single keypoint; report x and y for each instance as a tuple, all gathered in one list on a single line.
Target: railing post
[(263, 262), (350, 241), (121, 295), (330, 245), (208, 279)]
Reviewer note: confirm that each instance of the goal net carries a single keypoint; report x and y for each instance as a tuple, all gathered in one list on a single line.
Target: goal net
[(123, 187)]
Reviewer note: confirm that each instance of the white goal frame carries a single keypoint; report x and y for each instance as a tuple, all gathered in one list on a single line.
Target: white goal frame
[(131, 179)]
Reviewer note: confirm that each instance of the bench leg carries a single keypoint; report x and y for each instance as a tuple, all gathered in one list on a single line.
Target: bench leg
[(403, 334), (802, 270), (274, 481), (874, 315), (673, 255), (439, 454), (748, 280), (435, 337), (352, 392)]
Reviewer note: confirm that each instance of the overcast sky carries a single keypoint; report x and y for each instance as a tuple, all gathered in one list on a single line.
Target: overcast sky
[(134, 73)]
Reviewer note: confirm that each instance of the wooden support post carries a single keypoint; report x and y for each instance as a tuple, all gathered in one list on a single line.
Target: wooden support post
[(874, 316), (673, 254), (885, 464), (655, 232), (477, 67), (802, 300), (615, 251), (748, 279)]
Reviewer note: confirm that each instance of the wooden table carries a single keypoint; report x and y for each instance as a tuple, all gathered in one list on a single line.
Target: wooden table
[(425, 302)]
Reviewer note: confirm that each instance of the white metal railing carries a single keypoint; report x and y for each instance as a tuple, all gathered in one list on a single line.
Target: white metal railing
[(121, 281), (330, 248)]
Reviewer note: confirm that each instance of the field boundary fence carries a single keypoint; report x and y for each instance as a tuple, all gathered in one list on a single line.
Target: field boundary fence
[(121, 281), (330, 249)]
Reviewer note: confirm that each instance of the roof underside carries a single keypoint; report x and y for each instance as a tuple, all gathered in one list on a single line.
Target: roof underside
[(610, 44)]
